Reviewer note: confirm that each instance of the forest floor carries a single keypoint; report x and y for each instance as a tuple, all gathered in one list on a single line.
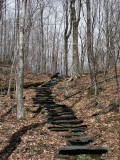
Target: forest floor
[(36, 141)]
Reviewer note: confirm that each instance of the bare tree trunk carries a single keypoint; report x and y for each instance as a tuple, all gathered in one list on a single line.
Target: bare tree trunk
[(83, 47), (5, 54), (20, 109), (17, 44), (66, 58), (14, 47), (66, 37), (75, 23), (48, 50), (53, 49), (39, 59), (1, 6), (1, 47), (1, 34), (107, 33), (75, 71), (117, 81), (89, 46), (42, 39)]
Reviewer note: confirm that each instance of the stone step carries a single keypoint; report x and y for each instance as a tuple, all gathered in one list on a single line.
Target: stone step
[(58, 108), (51, 84), (36, 105), (43, 98), (43, 102), (42, 95), (63, 117), (44, 91), (64, 114), (79, 126), (60, 113), (77, 150), (43, 88), (79, 141), (72, 122), (73, 135), (69, 125), (66, 129)]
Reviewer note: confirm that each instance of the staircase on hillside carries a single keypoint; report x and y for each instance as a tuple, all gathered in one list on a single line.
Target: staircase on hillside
[(65, 120)]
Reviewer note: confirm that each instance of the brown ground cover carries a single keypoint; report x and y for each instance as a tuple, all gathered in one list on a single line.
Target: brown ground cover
[(39, 143)]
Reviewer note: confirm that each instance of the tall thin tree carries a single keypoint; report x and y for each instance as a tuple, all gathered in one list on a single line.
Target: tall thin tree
[(66, 37), (75, 23), (89, 45), (1, 6), (20, 109)]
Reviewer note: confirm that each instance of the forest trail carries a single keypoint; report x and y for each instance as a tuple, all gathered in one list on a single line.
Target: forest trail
[(58, 127), (63, 119)]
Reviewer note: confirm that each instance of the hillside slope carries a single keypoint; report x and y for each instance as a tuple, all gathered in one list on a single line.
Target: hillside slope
[(39, 142)]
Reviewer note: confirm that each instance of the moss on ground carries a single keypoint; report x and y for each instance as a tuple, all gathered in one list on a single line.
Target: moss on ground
[(91, 91)]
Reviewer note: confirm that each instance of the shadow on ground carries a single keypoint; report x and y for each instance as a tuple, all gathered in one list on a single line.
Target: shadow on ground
[(15, 140)]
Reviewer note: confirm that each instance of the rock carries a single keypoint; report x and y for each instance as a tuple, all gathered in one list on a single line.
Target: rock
[(79, 141), (77, 150)]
